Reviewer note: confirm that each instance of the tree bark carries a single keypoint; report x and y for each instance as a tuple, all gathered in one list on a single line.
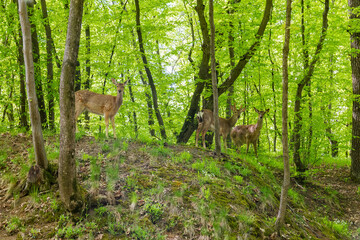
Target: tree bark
[(286, 183), (355, 66), (37, 69), (148, 72), (37, 136), (300, 166), (49, 65), (214, 79), (69, 191), (87, 69)]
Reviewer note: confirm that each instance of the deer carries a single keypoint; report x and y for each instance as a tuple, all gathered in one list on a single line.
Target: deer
[(206, 123), (248, 134), (106, 105)]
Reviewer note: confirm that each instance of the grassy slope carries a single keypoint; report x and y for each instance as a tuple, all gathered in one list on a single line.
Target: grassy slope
[(174, 192)]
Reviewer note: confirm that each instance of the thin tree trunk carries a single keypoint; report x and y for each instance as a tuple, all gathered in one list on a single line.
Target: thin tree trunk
[(151, 121), (355, 66), (20, 60), (300, 166), (49, 65), (214, 79), (37, 69), (134, 112), (37, 136), (69, 191), (286, 183), (87, 69), (148, 72)]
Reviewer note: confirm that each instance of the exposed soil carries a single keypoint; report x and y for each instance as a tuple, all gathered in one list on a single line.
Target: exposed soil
[(332, 180)]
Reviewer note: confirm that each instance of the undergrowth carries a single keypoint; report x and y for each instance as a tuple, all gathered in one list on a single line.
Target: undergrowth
[(182, 191)]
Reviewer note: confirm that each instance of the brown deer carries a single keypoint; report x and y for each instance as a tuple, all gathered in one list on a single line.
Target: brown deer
[(248, 134), (106, 105), (206, 123)]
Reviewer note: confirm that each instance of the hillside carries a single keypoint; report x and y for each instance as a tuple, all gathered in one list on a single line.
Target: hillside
[(146, 190)]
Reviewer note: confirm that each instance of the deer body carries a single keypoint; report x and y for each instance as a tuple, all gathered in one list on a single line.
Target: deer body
[(248, 134), (206, 123), (100, 104)]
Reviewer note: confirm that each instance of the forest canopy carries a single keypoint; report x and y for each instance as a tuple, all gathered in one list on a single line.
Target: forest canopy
[(173, 40)]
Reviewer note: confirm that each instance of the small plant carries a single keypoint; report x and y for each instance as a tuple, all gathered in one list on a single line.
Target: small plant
[(34, 193), (125, 146), (207, 166), (70, 232), (3, 159), (105, 147), (34, 233), (245, 172), (239, 179), (160, 151), (183, 157), (112, 173), (340, 227), (101, 211), (140, 234), (95, 169), (63, 220), (14, 225), (155, 211)]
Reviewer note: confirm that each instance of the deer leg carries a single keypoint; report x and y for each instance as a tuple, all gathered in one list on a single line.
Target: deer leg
[(203, 137), (79, 108), (197, 136), (107, 125), (247, 147), (255, 149), (113, 125)]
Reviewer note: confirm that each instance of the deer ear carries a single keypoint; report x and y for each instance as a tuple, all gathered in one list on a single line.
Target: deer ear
[(256, 110), (113, 80), (267, 110), (126, 82)]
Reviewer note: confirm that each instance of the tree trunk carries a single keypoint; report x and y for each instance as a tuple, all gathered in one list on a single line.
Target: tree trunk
[(203, 76), (214, 79), (151, 121), (286, 184), (148, 72), (69, 191), (355, 66), (300, 166), (87, 69), (134, 112), (190, 125), (37, 69), (49, 65), (37, 136)]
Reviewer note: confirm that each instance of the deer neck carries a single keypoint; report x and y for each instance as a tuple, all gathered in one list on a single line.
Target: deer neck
[(119, 99), (259, 125), (232, 120)]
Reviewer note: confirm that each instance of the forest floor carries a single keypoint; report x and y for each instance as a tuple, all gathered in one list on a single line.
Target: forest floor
[(328, 191)]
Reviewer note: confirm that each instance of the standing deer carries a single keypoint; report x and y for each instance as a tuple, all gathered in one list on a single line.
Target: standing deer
[(248, 133), (106, 105), (206, 123)]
